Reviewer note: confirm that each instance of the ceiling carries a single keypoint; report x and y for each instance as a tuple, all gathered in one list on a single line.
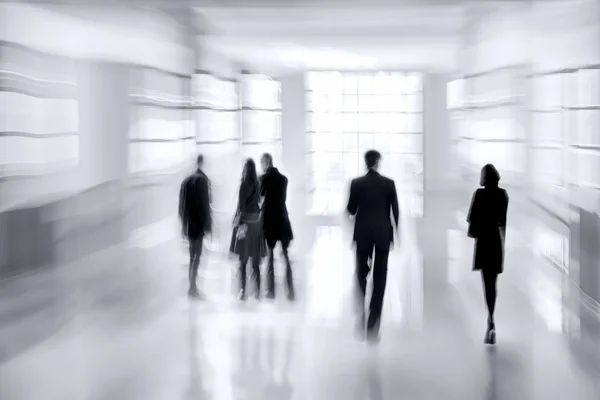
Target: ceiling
[(279, 39)]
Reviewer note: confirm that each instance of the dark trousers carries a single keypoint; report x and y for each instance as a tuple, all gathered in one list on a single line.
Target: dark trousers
[(289, 279), (490, 278), (380, 265), (195, 253), (255, 272)]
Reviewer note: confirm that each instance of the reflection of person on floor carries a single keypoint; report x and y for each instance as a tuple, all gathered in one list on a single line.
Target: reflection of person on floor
[(276, 222), (196, 219), (487, 225), (374, 385), (196, 388), (261, 374), (247, 240), (372, 198), (249, 378), (279, 385)]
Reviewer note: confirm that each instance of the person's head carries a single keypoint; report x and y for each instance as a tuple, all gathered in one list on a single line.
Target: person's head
[(200, 161), (266, 161), (489, 176), (372, 159), (249, 172)]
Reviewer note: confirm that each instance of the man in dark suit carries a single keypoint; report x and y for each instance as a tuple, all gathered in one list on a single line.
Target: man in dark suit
[(372, 198), (276, 222), (196, 219)]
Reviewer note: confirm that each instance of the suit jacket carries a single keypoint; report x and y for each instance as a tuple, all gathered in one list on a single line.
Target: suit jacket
[(276, 222), (194, 205), (372, 198)]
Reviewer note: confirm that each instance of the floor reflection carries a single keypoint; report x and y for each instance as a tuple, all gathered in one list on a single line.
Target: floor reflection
[(262, 362), (330, 282), (507, 378), (196, 389), (374, 380), (222, 350)]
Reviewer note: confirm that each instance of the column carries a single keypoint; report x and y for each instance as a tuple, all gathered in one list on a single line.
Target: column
[(294, 143), (437, 135), (434, 228), (104, 122), (104, 118)]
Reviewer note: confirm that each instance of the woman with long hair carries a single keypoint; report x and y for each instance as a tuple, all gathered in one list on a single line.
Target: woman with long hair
[(247, 241), (487, 225)]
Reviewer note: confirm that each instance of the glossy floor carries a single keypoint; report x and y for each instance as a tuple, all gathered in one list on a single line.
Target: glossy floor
[(219, 349)]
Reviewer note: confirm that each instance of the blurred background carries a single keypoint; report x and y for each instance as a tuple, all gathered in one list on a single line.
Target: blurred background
[(104, 107)]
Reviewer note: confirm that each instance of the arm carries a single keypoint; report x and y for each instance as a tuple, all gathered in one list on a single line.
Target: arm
[(473, 216), (352, 207), (182, 200), (242, 196), (285, 186), (263, 189), (395, 206), (503, 212), (204, 197), (183, 215)]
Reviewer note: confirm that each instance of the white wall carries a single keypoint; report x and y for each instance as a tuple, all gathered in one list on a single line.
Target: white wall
[(498, 36), (56, 33), (565, 34), (438, 163)]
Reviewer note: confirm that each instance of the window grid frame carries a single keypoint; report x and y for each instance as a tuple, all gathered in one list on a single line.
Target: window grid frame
[(357, 110)]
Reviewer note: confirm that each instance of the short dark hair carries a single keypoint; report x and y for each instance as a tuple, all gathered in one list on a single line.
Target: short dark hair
[(200, 159), (267, 158), (489, 175), (372, 157)]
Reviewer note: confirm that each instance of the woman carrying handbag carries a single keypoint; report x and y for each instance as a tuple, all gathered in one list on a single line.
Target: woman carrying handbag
[(247, 240), (487, 225)]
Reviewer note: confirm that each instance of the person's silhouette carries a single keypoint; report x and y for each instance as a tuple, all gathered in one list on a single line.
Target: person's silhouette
[(195, 388), (196, 218), (276, 223), (372, 199), (487, 225), (247, 240)]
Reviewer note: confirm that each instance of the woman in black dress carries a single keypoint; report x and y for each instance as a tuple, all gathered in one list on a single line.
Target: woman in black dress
[(247, 240), (487, 225)]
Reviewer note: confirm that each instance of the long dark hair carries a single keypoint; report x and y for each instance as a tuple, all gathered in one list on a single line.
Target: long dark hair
[(249, 176)]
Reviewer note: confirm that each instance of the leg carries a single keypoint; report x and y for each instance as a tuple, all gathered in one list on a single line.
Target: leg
[(289, 278), (195, 253), (379, 282), (271, 271), (242, 272), (489, 287), (362, 270), (256, 272)]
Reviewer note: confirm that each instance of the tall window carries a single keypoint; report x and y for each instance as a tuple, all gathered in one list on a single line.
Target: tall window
[(39, 121), (565, 145), (493, 127), (217, 117), (161, 135), (350, 113), (261, 116)]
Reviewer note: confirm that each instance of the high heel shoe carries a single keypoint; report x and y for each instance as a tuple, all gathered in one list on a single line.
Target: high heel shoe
[(490, 334), (241, 295), (492, 337)]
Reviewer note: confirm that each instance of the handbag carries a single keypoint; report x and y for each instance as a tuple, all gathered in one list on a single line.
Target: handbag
[(241, 231)]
